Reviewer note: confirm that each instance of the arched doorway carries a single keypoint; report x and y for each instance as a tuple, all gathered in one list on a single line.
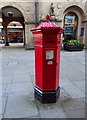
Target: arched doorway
[(73, 18), (70, 25), (15, 33), (11, 14)]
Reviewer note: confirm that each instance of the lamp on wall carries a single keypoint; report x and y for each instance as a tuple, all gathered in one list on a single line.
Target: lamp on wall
[(1, 20), (10, 14)]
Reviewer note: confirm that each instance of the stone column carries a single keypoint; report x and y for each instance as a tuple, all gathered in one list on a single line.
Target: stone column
[(85, 24), (24, 37), (6, 36), (29, 36), (85, 33)]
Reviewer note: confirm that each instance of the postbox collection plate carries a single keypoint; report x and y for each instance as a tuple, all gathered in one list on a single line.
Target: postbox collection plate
[(49, 54)]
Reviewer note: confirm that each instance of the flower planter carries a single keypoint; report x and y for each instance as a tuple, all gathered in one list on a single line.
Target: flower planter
[(73, 47)]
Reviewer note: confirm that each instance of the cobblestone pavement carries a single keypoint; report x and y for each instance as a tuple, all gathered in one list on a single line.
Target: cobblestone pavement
[(17, 86)]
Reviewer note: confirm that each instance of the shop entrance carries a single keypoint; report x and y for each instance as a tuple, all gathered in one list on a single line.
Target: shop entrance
[(15, 32), (70, 26)]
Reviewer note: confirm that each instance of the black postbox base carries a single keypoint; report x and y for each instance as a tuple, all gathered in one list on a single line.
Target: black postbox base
[(47, 96)]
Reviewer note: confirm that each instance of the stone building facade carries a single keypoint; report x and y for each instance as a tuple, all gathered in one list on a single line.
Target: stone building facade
[(31, 13)]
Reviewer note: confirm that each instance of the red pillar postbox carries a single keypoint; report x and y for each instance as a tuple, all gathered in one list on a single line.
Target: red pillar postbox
[(47, 38)]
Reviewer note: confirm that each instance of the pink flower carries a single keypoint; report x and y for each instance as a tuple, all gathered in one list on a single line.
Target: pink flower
[(70, 44)]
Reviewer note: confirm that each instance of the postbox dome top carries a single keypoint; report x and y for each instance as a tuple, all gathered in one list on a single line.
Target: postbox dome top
[(47, 25)]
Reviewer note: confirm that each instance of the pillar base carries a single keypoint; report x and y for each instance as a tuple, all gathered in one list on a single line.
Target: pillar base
[(7, 45), (50, 96)]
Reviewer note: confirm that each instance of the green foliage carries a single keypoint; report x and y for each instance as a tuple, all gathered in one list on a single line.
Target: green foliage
[(74, 42)]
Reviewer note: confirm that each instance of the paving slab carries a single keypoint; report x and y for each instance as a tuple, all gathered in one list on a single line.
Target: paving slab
[(70, 73), (18, 78), (2, 89), (0, 79), (0, 117), (0, 74), (73, 104), (13, 63), (86, 109), (71, 67), (80, 85), (32, 71), (33, 79), (50, 111), (78, 113), (0, 68), (4, 102), (0, 104), (20, 106), (78, 66), (65, 82), (7, 72), (53, 110), (21, 70), (73, 91), (20, 87), (7, 79), (64, 96), (31, 64)]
